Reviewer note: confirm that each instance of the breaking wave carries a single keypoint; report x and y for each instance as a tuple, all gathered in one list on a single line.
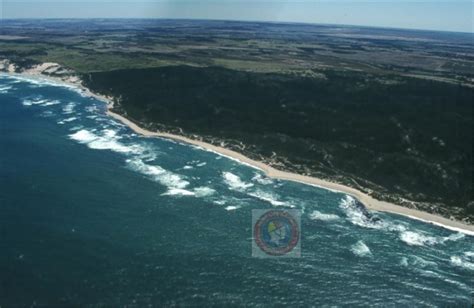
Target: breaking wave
[(317, 215), (419, 262), (174, 182), (262, 180), (469, 254), (361, 249), (31, 102), (36, 82), (5, 89), (232, 207), (108, 141), (234, 182), (40, 102), (462, 262), (69, 108), (358, 215), (76, 128), (178, 192), (67, 120), (417, 239), (203, 191), (268, 197), (51, 103), (454, 260)]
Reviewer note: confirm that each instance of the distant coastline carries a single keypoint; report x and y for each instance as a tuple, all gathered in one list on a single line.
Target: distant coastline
[(370, 202)]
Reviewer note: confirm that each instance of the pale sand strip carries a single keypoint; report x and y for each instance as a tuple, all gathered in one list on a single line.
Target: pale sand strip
[(368, 201)]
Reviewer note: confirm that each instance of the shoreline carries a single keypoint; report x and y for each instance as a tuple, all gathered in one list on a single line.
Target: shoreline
[(369, 202)]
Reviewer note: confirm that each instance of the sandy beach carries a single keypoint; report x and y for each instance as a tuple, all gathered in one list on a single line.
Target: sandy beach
[(368, 201), (38, 72)]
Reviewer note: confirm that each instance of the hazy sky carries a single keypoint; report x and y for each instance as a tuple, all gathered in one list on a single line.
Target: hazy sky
[(453, 15)]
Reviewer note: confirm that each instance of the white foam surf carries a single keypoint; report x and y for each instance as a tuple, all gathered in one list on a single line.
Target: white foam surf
[(5, 89), (361, 249), (414, 238), (157, 173), (83, 136), (203, 191), (38, 81), (70, 119), (356, 216), (234, 182), (69, 108), (262, 180), (453, 237), (51, 103), (232, 207), (417, 239), (462, 262), (31, 102), (404, 261), (197, 192), (178, 192), (92, 109), (455, 229), (317, 215), (76, 128), (268, 197), (469, 254), (411, 237), (46, 114), (419, 262), (108, 141)]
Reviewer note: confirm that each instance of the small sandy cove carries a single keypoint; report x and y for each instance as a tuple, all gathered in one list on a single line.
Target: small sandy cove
[(368, 201)]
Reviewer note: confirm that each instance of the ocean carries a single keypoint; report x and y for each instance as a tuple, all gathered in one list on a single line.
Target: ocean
[(93, 214)]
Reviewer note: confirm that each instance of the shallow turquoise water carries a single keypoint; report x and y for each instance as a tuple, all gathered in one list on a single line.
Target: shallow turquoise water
[(91, 213)]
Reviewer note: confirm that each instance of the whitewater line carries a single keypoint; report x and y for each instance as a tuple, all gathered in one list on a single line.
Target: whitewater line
[(367, 200)]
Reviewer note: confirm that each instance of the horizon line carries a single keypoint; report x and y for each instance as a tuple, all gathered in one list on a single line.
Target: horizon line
[(237, 20)]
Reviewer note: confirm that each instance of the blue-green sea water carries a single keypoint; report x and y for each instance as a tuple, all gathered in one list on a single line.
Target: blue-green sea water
[(94, 214)]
